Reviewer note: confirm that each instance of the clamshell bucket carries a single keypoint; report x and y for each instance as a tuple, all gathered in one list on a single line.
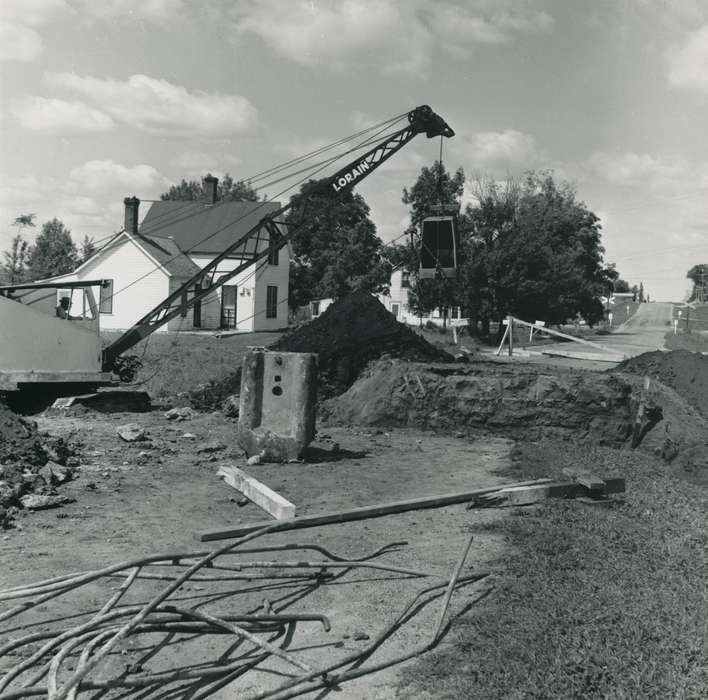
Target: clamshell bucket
[(438, 248)]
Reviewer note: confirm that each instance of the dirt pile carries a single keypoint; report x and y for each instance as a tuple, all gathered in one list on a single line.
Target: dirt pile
[(352, 332), (526, 402), (30, 464), (685, 372), (515, 401)]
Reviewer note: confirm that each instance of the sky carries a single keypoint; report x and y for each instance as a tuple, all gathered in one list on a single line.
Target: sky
[(100, 100)]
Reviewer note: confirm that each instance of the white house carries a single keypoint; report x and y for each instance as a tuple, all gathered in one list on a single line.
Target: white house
[(175, 240)]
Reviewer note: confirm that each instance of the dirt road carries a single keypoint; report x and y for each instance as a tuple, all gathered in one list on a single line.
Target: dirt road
[(642, 332)]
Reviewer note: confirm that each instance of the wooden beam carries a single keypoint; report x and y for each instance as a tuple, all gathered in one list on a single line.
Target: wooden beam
[(527, 495), (593, 356), (362, 513), (550, 331), (586, 478), (263, 496)]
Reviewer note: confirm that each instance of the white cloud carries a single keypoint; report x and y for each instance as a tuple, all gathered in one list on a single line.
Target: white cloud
[(688, 63), (638, 168), (160, 107), (195, 161), (58, 116), (108, 178), (502, 149), (401, 35), (152, 10), (32, 12), (89, 200), (18, 42)]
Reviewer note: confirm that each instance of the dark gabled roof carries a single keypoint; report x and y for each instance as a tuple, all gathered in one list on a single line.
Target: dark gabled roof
[(200, 228), (167, 253)]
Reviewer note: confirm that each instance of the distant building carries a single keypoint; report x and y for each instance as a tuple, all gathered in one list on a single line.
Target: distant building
[(175, 240)]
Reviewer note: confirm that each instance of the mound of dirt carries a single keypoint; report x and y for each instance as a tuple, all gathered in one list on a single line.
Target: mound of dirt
[(685, 372), (24, 456), (353, 331), (527, 403)]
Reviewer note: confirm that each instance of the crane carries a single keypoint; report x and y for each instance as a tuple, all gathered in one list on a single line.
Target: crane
[(272, 228)]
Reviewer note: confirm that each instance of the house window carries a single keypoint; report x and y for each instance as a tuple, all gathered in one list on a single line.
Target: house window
[(271, 301), (274, 255), (405, 279), (394, 309), (105, 304), (315, 308)]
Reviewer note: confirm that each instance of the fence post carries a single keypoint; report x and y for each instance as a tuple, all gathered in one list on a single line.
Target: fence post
[(510, 320)]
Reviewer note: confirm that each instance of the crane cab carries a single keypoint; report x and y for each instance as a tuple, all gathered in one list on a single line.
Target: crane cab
[(438, 247)]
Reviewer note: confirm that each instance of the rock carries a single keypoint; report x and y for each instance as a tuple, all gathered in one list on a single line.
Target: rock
[(256, 459), (230, 406), (188, 436), (211, 446), (242, 502), (54, 473), (34, 501), (6, 493), (131, 432), (360, 636), (183, 413)]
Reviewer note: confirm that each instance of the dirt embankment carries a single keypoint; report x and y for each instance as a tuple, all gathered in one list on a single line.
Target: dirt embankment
[(685, 372), (526, 402)]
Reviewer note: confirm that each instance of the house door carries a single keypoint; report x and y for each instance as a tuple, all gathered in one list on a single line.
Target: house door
[(197, 316), (394, 310), (228, 306)]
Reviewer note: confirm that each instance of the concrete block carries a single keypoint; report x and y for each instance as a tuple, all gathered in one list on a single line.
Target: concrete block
[(277, 404)]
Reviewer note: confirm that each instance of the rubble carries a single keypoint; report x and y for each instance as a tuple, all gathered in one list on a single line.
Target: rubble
[(230, 406), (178, 414), (211, 446), (30, 464), (131, 432), (38, 501)]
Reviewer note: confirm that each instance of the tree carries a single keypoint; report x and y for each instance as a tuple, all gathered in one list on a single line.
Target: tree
[(13, 269), (641, 292), (88, 248), (336, 251), (53, 253), (534, 251), (622, 286), (228, 190), (698, 274), (434, 186)]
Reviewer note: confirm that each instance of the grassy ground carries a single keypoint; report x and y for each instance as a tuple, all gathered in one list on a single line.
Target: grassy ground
[(177, 363), (589, 602), (692, 329)]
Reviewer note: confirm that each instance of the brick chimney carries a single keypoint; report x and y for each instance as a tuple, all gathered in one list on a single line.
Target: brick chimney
[(211, 184), (132, 204)]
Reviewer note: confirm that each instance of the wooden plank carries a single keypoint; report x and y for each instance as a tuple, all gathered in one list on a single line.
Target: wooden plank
[(594, 356), (263, 496), (362, 513), (586, 478), (528, 495), (565, 335)]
